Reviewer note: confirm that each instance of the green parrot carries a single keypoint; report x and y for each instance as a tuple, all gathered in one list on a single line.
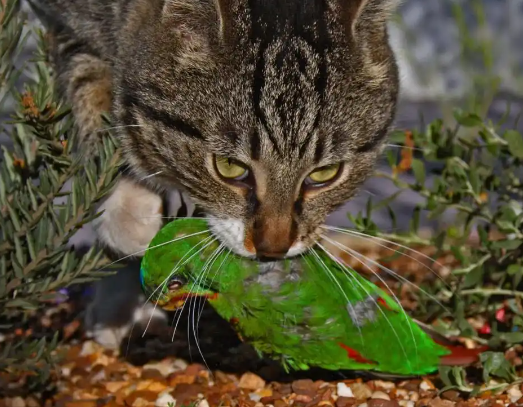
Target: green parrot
[(303, 312)]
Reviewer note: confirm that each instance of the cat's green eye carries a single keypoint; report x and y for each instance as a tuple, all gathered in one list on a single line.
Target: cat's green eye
[(323, 174), (231, 169)]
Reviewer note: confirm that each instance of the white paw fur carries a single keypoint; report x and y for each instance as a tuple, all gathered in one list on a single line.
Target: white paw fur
[(110, 337), (119, 306), (132, 217)]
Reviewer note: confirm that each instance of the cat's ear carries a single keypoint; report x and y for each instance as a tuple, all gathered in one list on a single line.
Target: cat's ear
[(367, 13)]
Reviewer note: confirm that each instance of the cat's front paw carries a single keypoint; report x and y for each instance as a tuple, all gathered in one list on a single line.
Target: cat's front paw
[(146, 318), (119, 309), (132, 215)]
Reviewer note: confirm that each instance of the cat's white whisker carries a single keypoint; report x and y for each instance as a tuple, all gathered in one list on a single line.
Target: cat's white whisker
[(149, 299), (167, 279), (373, 239), (404, 147), (175, 268), (354, 254), (206, 269), (229, 251), (348, 272), (335, 281), (380, 239), (151, 248), (183, 306), (151, 175)]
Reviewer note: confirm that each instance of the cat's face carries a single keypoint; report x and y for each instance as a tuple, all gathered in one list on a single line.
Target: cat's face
[(269, 123)]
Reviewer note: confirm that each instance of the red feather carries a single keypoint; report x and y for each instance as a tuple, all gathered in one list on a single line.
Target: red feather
[(382, 302), (355, 355), (461, 356)]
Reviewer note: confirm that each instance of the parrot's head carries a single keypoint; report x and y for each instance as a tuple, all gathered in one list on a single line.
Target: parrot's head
[(170, 294)]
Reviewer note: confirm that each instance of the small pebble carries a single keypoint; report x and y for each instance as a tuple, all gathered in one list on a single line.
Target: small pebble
[(402, 393), (439, 402), (382, 403), (180, 364), (255, 396), (451, 395), (406, 403), (164, 367), (17, 402), (424, 385), (345, 402), (202, 403), (250, 381), (344, 390), (363, 405), (140, 402), (165, 400), (303, 386), (515, 394), (380, 395), (98, 377), (303, 398), (31, 402), (384, 385), (361, 391), (87, 348)]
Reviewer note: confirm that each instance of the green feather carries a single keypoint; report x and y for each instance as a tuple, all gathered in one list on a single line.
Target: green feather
[(308, 311)]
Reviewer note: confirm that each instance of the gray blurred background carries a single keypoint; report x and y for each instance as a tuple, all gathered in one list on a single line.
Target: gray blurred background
[(443, 47)]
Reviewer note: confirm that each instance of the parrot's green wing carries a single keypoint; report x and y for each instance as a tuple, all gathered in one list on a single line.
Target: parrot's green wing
[(309, 311)]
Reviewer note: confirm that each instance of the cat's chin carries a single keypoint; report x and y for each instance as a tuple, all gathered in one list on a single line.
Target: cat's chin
[(231, 233)]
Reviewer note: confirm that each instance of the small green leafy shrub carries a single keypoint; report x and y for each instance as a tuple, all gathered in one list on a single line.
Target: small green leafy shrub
[(38, 215), (477, 182)]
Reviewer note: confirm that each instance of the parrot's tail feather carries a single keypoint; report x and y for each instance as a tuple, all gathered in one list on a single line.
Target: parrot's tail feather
[(461, 356), (436, 336)]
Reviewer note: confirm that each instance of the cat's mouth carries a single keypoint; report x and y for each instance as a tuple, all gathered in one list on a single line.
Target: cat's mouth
[(231, 234), (270, 259)]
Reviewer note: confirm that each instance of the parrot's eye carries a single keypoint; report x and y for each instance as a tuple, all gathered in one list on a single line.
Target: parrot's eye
[(175, 283)]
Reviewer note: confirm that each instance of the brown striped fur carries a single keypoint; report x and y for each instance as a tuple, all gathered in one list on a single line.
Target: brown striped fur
[(284, 86)]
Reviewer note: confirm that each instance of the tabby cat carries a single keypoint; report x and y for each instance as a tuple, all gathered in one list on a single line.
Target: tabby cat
[(267, 113)]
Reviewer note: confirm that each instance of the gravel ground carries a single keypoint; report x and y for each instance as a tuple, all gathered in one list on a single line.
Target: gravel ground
[(158, 368)]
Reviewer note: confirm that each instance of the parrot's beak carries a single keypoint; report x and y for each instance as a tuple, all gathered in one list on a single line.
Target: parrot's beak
[(172, 304), (175, 300)]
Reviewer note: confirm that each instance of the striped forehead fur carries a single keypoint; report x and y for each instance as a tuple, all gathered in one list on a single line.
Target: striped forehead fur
[(290, 74)]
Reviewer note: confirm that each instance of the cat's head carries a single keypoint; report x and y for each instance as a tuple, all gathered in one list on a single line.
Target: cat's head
[(269, 113)]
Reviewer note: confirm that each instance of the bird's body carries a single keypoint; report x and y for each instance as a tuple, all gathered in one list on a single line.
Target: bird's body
[(304, 312)]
